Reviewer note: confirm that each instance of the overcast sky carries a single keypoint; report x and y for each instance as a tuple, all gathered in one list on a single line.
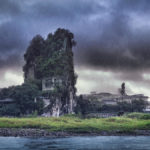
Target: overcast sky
[(113, 40)]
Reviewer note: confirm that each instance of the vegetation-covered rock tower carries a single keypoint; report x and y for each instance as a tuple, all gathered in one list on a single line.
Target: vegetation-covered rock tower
[(49, 64)]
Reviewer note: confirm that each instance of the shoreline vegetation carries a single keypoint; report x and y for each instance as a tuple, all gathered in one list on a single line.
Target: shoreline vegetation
[(72, 125)]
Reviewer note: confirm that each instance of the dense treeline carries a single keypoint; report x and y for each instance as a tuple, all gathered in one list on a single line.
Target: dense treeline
[(86, 106), (23, 103)]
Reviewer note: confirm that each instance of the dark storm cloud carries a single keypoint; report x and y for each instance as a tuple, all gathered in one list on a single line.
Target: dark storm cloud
[(10, 62), (20, 21), (66, 9), (11, 37), (9, 7), (119, 43), (134, 5), (107, 33)]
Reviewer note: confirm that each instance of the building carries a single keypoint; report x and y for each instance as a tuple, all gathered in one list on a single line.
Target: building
[(51, 83), (113, 99), (109, 102), (6, 101)]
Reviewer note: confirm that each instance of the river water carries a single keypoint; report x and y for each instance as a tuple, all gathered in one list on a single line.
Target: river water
[(76, 143)]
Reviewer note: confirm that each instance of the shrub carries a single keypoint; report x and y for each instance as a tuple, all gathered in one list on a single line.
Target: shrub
[(10, 110), (139, 116)]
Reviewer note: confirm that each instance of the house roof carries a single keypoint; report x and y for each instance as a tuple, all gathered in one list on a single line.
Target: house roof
[(6, 100)]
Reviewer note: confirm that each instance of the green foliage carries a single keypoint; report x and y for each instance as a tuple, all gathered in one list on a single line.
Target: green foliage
[(93, 105), (48, 56), (6, 92), (23, 97), (34, 49), (139, 105), (76, 124), (36, 83), (136, 115), (33, 114), (110, 108), (52, 57), (39, 106), (86, 106), (33, 52), (134, 106), (10, 110), (125, 106)]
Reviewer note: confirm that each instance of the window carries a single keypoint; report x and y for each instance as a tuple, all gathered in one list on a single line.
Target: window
[(48, 83)]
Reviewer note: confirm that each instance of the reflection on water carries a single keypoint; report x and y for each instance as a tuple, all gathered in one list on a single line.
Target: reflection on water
[(77, 143)]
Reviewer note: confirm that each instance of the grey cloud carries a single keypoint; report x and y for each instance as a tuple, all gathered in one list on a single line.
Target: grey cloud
[(66, 9), (28, 18), (105, 37), (11, 37), (10, 62), (116, 46), (134, 5), (9, 7)]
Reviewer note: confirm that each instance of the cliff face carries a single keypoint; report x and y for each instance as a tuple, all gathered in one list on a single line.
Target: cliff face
[(50, 63)]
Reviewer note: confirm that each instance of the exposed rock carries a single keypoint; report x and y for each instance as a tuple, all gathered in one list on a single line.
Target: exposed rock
[(45, 133), (55, 71)]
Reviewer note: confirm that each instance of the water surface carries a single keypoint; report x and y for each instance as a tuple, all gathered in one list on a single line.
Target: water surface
[(76, 143)]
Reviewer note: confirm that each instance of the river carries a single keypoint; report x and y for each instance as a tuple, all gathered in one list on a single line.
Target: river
[(76, 143)]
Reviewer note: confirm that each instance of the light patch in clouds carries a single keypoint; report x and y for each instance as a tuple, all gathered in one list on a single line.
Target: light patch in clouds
[(139, 22), (108, 81), (146, 76), (138, 89), (96, 80), (11, 78), (4, 20)]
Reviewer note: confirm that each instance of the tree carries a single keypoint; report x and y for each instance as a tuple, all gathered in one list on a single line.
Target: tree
[(85, 105), (139, 105), (33, 53), (23, 96), (124, 106), (34, 49), (134, 106), (10, 110), (122, 90)]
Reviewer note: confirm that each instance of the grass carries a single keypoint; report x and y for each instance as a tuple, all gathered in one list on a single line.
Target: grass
[(129, 122)]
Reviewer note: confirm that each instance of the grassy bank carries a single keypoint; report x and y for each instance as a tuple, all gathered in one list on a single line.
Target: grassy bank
[(130, 122)]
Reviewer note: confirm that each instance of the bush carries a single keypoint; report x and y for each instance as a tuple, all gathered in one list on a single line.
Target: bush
[(10, 110), (85, 106), (23, 97), (136, 115)]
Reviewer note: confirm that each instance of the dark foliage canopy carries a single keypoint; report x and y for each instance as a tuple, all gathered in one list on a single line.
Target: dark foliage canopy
[(47, 57)]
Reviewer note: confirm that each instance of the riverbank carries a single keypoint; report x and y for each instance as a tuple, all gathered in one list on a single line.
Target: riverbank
[(45, 133), (132, 124)]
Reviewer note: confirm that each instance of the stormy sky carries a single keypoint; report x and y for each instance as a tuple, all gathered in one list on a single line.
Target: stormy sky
[(113, 40)]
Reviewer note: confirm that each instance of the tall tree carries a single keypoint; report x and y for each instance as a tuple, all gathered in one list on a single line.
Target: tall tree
[(122, 90)]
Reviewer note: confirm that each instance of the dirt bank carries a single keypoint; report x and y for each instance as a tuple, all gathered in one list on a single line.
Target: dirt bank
[(46, 133)]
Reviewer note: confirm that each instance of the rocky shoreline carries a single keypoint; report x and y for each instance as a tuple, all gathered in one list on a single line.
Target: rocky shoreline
[(45, 133)]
